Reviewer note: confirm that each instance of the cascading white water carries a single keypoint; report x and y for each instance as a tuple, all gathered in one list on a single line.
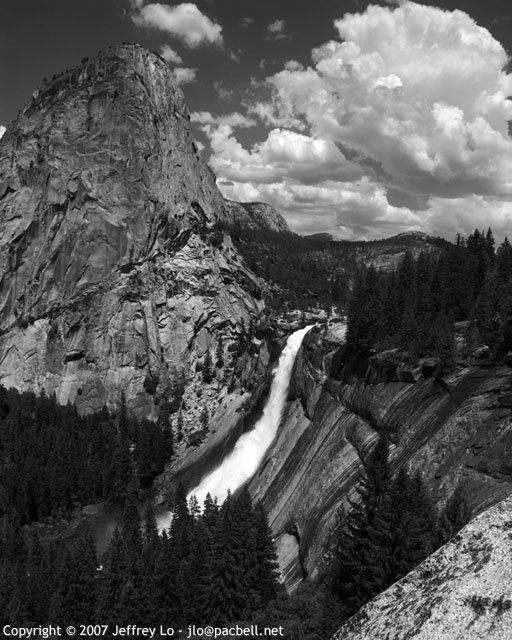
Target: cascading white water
[(241, 464)]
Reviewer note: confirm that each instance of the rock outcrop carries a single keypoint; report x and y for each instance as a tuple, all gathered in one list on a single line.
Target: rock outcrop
[(454, 430), (256, 216), (461, 592), (112, 273)]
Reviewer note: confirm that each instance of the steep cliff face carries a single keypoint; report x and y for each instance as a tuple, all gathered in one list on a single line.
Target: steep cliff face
[(461, 591), (255, 215), (111, 275), (456, 429)]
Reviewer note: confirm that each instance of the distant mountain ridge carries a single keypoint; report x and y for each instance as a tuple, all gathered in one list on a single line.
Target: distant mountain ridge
[(255, 215)]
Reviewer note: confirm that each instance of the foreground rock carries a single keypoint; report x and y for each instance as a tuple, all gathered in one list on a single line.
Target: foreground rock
[(461, 592)]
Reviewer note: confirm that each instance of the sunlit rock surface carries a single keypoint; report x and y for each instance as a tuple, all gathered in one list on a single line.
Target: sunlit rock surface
[(454, 430), (112, 275), (461, 592), (255, 215)]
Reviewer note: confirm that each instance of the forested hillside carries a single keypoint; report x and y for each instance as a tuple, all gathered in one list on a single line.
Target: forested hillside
[(306, 272), (214, 567), (415, 306)]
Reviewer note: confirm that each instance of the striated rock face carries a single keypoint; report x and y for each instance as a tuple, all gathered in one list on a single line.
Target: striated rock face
[(255, 215), (111, 275), (454, 430), (461, 592)]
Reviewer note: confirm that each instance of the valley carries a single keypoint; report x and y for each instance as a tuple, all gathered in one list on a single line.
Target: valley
[(214, 353)]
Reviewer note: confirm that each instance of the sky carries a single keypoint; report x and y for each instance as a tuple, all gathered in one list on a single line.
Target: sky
[(359, 119)]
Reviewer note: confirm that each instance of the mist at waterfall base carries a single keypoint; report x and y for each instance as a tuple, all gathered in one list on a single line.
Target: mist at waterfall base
[(243, 462)]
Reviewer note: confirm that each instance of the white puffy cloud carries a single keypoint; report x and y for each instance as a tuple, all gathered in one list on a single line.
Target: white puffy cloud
[(410, 99), (276, 30), (284, 155), (276, 27), (353, 210), (232, 120), (2, 130), (420, 90), (184, 75), (223, 92), (293, 65), (169, 55), (183, 21)]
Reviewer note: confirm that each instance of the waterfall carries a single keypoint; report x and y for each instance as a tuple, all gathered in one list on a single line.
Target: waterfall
[(242, 463)]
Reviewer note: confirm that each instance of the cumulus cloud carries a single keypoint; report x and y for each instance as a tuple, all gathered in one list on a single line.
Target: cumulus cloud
[(284, 155), (2, 130), (222, 91), (293, 65), (418, 89), (410, 99), (169, 55), (183, 21), (184, 75), (232, 120), (276, 27)]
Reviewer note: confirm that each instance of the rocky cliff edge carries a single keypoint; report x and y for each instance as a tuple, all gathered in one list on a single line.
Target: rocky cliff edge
[(461, 592)]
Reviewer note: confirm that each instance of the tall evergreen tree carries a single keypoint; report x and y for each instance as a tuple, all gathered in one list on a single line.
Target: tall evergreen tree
[(364, 544), (455, 515), (75, 597)]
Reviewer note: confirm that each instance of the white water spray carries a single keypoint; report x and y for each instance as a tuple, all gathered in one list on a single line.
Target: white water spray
[(242, 463)]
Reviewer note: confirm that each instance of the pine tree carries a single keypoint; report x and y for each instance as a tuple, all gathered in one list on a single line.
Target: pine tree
[(443, 336), (487, 311), (131, 534), (180, 525), (266, 574), (201, 568), (455, 515), (226, 601), (210, 513), (147, 584), (111, 581), (39, 580), (75, 596), (390, 317), (414, 522), (364, 311), (504, 260), (119, 471), (364, 545)]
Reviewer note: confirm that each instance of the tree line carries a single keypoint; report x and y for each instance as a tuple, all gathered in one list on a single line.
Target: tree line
[(53, 460), (213, 566), (216, 565), (415, 306), (389, 530)]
